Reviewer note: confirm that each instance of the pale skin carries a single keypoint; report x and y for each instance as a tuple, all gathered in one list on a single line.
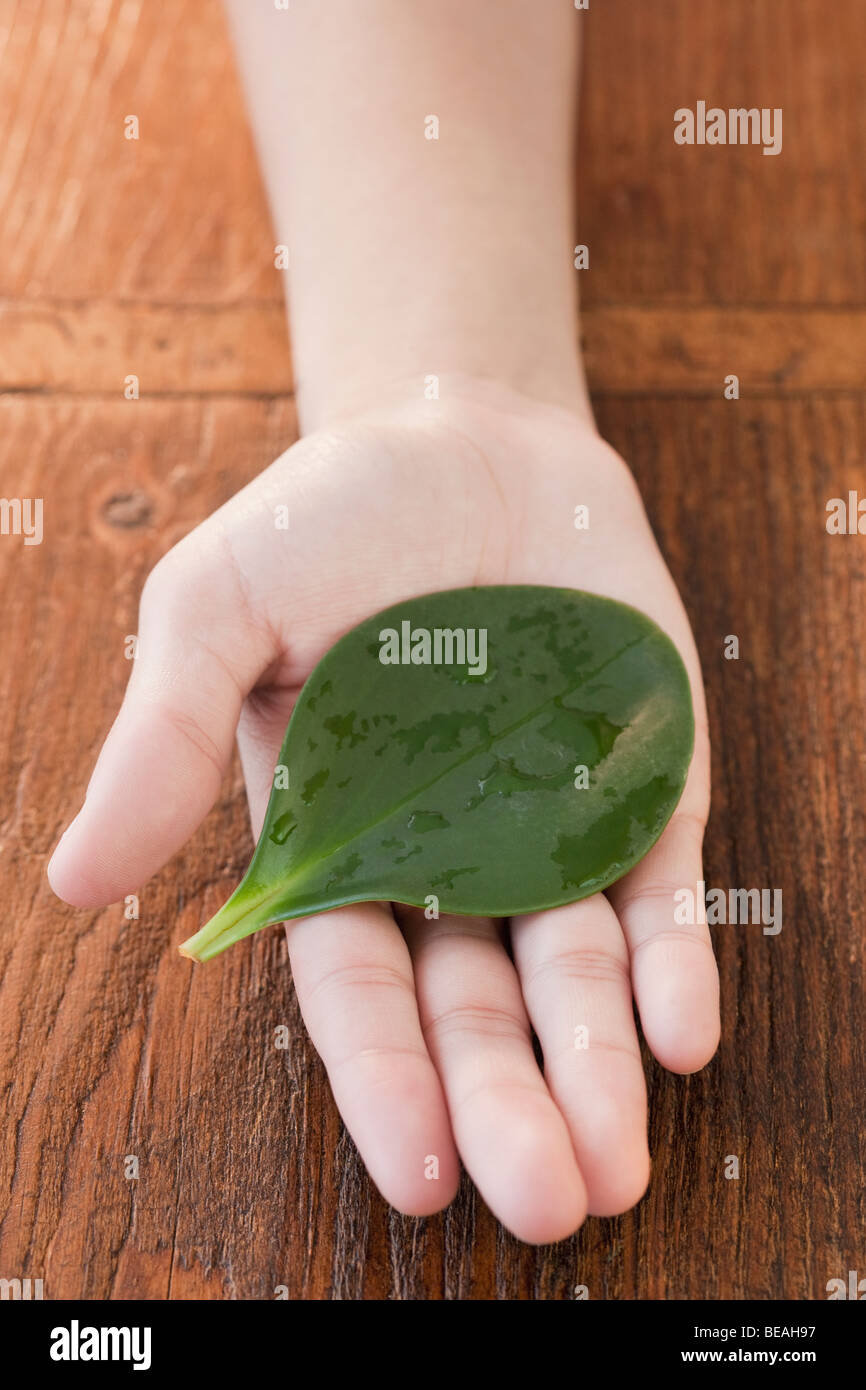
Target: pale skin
[(413, 257)]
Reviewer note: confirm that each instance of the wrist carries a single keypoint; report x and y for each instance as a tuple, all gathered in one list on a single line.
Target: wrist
[(427, 373), (463, 402)]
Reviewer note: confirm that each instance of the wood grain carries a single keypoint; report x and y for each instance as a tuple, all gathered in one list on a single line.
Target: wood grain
[(114, 254)]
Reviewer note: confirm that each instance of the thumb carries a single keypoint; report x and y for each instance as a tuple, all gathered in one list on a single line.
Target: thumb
[(199, 653)]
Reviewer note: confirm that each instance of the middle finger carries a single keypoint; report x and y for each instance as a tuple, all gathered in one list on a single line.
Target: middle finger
[(508, 1130)]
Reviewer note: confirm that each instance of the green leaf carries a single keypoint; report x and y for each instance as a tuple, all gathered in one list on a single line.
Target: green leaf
[(459, 786)]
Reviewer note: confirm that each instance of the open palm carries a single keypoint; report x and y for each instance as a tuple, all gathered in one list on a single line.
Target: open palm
[(425, 1027)]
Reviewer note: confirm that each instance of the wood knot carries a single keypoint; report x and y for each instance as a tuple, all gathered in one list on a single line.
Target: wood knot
[(128, 509)]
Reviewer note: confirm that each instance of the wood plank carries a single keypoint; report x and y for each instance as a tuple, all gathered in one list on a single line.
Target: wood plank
[(692, 352), (172, 348), (242, 348), (110, 1046)]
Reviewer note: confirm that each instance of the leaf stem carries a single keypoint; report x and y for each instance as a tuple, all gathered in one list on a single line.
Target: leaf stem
[(237, 918)]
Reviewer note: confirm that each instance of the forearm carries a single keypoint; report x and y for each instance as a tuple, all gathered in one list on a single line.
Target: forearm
[(411, 256)]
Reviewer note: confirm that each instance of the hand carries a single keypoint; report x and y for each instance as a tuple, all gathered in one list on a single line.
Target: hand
[(424, 1027)]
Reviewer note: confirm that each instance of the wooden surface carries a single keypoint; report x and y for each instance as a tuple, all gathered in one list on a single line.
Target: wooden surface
[(155, 257)]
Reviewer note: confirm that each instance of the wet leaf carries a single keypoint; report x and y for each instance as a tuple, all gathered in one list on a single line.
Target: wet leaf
[(489, 751)]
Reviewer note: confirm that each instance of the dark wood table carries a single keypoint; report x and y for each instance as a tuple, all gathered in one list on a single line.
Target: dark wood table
[(155, 258)]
